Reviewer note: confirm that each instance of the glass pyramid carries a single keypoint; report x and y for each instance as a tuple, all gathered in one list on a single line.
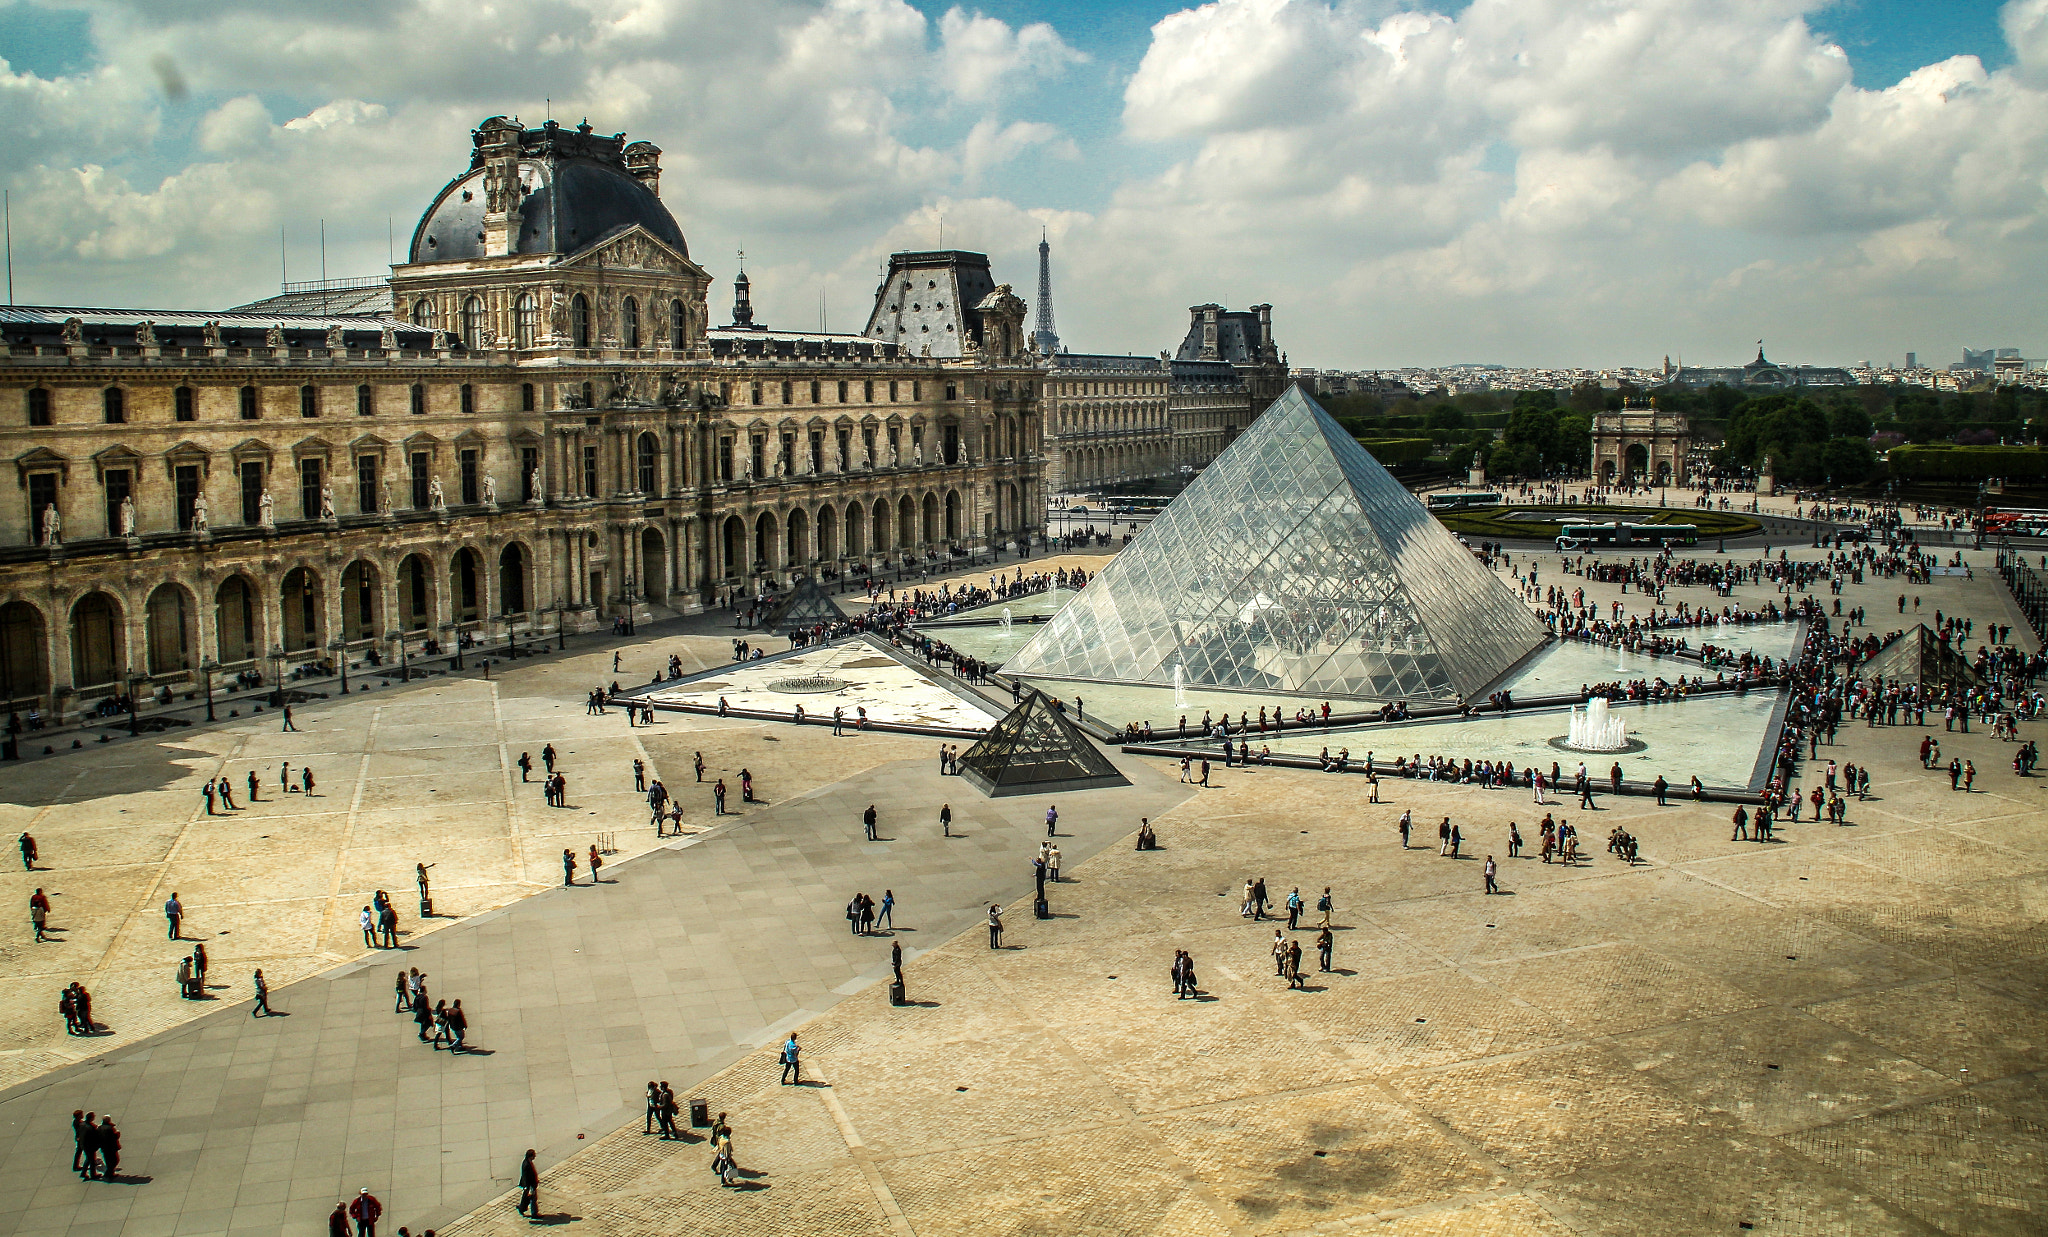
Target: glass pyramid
[(1294, 563), (1034, 749), (806, 606), (1917, 657)]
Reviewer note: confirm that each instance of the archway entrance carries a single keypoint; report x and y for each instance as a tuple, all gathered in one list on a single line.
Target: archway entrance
[(359, 601), (733, 556), (24, 651), (415, 599), (828, 534), (97, 655), (653, 565), (234, 620), (1638, 457), (298, 610), (465, 586), (798, 540), (168, 632), (512, 579)]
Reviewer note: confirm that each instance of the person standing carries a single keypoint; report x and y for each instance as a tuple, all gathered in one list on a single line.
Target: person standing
[(253, 785), (364, 1211), (640, 775), (718, 798), (209, 797), (108, 1144), (1052, 863), (79, 1124), (867, 820), (568, 866), (1490, 870), (1741, 833), (529, 1188), (1279, 948), (792, 1066), (337, 1221), (1514, 840), (368, 921), (1443, 838), (1052, 821), (995, 926), (1457, 839), (1326, 944), (1294, 905), (888, 910), (525, 767), (262, 1009), (174, 912), (596, 863), (699, 761), (1407, 823)]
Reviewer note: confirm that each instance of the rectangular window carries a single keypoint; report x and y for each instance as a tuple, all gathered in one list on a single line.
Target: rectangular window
[(788, 393), (845, 449), (590, 472), (952, 444), (896, 441), (814, 392), (250, 411), (252, 490), (116, 401), (309, 401), (39, 405), (366, 484), (366, 404), (916, 392), (468, 398), (42, 495), (725, 459), (309, 489), (867, 391), (526, 397), (892, 392), (419, 400), (757, 450), (421, 476), (472, 485), (842, 392), (817, 451), (182, 405), (952, 392), (186, 479), (529, 460), (118, 485), (755, 391), (787, 453)]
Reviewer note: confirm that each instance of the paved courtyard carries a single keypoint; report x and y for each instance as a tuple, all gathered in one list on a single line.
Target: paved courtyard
[(1837, 1033)]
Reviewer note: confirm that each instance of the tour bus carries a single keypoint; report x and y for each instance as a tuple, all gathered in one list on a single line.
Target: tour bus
[(1456, 502), (2014, 522), (1584, 536)]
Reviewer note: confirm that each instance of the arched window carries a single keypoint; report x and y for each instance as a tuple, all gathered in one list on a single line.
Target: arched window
[(525, 320), (629, 323), (473, 323), (677, 324), (423, 312), (579, 321)]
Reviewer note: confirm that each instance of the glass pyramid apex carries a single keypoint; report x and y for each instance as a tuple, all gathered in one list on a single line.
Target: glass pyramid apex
[(1293, 563)]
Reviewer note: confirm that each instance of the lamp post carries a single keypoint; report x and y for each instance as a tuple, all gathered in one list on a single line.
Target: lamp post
[(339, 647), (209, 668), (135, 682), (630, 597), (397, 638), (561, 632), (453, 634), (277, 676)]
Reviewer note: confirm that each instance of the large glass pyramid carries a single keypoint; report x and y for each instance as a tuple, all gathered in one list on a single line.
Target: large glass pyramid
[(1294, 563)]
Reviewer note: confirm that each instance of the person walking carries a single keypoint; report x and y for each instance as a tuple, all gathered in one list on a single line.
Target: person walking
[(1294, 906), (868, 820), (792, 1067), (547, 757), (529, 1188), (995, 926), (262, 1009), (1407, 822), (596, 862), (80, 1140), (337, 1220), (1052, 821), (458, 1028), (698, 760), (946, 820), (888, 910), (525, 767), (174, 913), (39, 913), (364, 1211), (108, 1143), (423, 1015), (1490, 870), (1279, 949), (87, 1155), (1325, 905), (1443, 838), (1326, 944), (288, 718), (1295, 978)]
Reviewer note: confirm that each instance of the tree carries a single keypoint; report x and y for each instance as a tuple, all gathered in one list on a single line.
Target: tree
[(1847, 420)]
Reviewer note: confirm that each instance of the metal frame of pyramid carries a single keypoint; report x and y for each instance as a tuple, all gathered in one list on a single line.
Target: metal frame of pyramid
[(806, 604), (1295, 563), (1915, 656), (1034, 749)]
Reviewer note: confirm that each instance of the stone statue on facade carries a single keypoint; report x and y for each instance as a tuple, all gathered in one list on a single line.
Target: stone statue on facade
[(72, 333), (145, 335), (490, 490), (209, 334), (435, 498), (778, 466), (533, 486), (199, 512), (53, 526), (388, 338), (747, 467), (327, 502), (917, 452), (274, 337), (867, 457), (807, 465), (127, 515), (895, 454), (266, 511), (335, 343), (384, 488)]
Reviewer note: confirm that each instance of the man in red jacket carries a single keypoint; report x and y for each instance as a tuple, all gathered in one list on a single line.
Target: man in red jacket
[(364, 1211)]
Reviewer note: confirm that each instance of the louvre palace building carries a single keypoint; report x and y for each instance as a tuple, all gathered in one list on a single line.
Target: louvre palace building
[(532, 427)]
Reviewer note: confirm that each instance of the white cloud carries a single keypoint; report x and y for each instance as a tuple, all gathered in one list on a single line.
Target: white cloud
[(981, 57)]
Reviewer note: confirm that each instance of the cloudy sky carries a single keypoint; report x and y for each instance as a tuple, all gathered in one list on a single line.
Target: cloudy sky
[(1590, 182)]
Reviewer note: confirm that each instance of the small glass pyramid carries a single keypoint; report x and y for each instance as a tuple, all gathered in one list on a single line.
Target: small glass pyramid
[(806, 606), (1034, 749), (1294, 563), (1918, 657)]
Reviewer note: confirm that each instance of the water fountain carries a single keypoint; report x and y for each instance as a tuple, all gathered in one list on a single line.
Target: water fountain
[(1180, 691), (1006, 619), (1596, 728)]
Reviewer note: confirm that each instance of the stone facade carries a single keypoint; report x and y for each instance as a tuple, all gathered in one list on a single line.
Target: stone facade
[(1106, 419), (1642, 446), (548, 436)]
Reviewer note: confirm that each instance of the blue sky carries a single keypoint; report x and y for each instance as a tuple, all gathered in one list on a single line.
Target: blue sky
[(1527, 181)]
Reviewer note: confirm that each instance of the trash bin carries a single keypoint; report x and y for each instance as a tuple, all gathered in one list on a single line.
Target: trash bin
[(1041, 909), (426, 907), (896, 996), (700, 1114)]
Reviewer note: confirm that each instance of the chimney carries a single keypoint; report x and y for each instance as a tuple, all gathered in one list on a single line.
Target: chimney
[(497, 149), (643, 160), (1205, 321), (1265, 313)]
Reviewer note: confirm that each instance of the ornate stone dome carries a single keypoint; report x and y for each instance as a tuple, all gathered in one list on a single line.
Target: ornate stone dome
[(573, 189)]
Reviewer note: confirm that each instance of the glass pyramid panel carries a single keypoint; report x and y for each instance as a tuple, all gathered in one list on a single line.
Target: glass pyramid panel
[(1035, 748), (1294, 563), (806, 606), (1918, 657)]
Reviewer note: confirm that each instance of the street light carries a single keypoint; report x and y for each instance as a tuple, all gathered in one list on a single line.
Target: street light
[(339, 647), (209, 668), (397, 638), (277, 675), (561, 632), (135, 681)]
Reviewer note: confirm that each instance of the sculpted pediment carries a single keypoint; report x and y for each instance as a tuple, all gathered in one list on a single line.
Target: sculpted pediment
[(636, 249)]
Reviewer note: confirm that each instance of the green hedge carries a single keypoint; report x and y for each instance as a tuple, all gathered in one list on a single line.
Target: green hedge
[(1487, 522), (1392, 451), (1940, 462)]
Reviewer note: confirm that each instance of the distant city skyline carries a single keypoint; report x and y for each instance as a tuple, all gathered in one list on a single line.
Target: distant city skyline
[(1529, 182)]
